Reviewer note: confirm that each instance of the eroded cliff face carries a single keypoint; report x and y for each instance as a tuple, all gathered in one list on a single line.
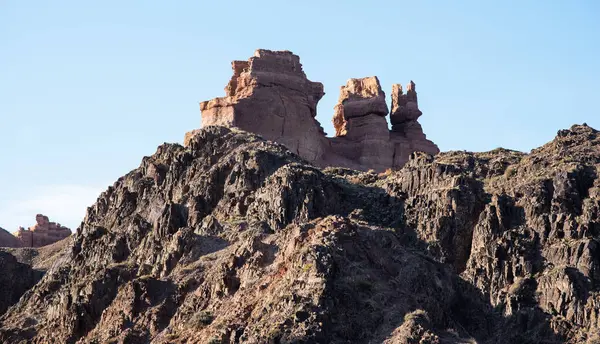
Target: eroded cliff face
[(271, 96), (233, 239)]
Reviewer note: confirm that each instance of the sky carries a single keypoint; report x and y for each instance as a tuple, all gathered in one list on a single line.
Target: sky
[(89, 88)]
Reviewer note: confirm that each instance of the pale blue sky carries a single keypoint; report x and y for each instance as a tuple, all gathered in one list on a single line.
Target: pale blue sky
[(87, 90)]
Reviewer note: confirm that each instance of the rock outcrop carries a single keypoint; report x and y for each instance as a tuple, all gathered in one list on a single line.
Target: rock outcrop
[(407, 133), (362, 133), (8, 240), (271, 96), (359, 98), (42, 233), (234, 239)]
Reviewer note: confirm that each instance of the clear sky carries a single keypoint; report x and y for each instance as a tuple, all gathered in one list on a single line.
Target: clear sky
[(86, 90)]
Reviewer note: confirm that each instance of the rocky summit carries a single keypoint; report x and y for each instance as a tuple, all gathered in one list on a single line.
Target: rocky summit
[(43, 233), (271, 96), (235, 239)]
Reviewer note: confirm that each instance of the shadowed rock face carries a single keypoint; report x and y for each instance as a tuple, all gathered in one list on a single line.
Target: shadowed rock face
[(15, 279), (8, 240), (271, 96), (22, 268), (234, 239)]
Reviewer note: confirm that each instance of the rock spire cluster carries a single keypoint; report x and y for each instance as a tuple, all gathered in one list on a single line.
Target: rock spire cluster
[(270, 95)]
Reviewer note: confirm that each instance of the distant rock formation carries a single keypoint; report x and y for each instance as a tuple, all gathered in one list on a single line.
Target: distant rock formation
[(270, 95), (42, 233)]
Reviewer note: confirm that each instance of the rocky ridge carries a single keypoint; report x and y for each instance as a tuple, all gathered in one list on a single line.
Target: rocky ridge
[(8, 240), (234, 239), (270, 95)]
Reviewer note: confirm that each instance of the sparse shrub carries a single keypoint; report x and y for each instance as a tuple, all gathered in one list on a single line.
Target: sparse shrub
[(386, 173), (355, 180), (419, 313), (274, 333), (202, 319), (214, 340), (510, 172)]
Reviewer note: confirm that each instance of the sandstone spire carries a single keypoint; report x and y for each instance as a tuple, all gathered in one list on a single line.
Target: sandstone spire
[(404, 106), (270, 95), (360, 97)]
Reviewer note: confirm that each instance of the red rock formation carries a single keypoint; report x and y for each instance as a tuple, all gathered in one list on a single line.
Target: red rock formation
[(404, 106), (271, 96), (362, 133), (42, 233), (407, 133), (359, 98)]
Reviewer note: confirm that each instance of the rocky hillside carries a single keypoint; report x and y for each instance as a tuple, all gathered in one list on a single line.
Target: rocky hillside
[(233, 239)]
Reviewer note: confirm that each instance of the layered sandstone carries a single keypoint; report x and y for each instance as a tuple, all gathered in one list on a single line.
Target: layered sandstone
[(359, 98), (270, 95), (407, 133), (42, 233), (361, 129)]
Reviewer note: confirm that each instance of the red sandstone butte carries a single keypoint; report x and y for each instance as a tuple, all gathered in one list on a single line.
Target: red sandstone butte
[(271, 96), (42, 233)]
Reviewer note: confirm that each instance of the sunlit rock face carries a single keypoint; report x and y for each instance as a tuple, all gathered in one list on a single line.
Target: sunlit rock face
[(270, 95)]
